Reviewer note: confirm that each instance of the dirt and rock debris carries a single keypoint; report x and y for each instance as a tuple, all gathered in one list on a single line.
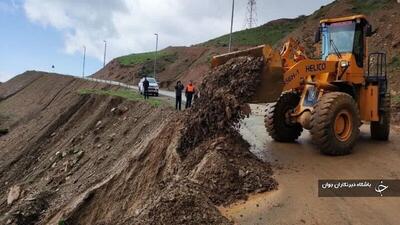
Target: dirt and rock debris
[(224, 94), (88, 159)]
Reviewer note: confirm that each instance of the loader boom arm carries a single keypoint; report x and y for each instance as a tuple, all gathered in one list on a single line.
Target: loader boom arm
[(282, 71)]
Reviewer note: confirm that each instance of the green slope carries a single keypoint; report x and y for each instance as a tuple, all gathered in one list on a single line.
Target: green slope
[(269, 33), (140, 58)]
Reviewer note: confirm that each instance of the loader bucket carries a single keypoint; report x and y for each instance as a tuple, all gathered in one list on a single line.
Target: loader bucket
[(271, 85)]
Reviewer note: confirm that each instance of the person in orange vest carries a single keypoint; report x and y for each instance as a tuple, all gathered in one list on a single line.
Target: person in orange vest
[(189, 92)]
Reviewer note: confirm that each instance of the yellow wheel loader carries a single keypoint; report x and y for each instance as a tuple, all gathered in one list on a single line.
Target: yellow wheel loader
[(330, 96)]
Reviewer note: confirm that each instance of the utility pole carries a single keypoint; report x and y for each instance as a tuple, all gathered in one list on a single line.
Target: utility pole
[(105, 52), (230, 35), (251, 15), (155, 55), (84, 61)]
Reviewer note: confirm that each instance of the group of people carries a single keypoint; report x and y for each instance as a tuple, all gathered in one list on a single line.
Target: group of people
[(190, 92)]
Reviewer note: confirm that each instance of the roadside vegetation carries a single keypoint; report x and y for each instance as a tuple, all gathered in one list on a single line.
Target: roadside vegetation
[(127, 94)]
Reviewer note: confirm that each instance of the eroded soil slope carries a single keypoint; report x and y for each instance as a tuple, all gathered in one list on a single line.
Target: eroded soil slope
[(86, 159), (61, 143)]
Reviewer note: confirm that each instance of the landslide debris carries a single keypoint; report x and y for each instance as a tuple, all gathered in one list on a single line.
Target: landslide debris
[(216, 162), (222, 103), (115, 162), (215, 165)]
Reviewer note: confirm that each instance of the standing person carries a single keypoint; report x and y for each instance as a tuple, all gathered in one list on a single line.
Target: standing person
[(178, 93), (146, 85), (189, 91)]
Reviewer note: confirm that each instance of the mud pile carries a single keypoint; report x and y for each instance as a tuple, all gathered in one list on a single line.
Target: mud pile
[(216, 162), (222, 103)]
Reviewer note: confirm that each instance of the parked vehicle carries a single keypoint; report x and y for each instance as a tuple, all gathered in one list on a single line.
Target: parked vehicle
[(153, 86)]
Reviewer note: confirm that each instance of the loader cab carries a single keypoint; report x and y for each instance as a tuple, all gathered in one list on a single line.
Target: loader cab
[(345, 38)]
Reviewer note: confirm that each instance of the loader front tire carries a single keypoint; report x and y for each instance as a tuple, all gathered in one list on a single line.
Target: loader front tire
[(335, 123), (277, 119), (380, 130)]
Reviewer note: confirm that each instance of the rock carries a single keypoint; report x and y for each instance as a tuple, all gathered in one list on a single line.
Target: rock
[(99, 145), (124, 109), (13, 194), (111, 137), (67, 166), (53, 134), (80, 155), (98, 123), (241, 173)]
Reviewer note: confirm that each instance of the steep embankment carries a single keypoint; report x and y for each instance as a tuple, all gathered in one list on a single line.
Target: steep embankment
[(61, 143), (185, 63), (74, 158)]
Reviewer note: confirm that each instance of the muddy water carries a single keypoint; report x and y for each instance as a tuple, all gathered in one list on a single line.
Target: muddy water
[(298, 167)]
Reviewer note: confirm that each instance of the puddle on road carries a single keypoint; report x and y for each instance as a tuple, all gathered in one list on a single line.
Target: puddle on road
[(253, 131)]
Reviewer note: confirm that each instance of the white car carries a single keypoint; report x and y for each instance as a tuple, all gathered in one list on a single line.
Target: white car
[(153, 86)]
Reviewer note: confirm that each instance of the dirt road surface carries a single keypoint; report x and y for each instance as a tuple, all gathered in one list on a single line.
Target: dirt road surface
[(298, 167)]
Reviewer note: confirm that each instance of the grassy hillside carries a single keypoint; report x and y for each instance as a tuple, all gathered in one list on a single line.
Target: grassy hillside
[(140, 58), (270, 33)]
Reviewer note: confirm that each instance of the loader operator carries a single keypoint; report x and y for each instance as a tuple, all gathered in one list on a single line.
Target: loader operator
[(189, 91)]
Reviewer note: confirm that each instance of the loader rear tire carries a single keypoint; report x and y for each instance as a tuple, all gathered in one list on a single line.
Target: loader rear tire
[(276, 119), (335, 123), (380, 130)]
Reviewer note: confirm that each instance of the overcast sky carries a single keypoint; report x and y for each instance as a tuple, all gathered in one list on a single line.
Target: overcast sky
[(41, 33)]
